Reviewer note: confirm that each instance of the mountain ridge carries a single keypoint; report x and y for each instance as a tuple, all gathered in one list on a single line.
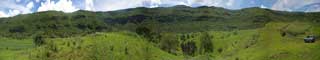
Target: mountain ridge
[(178, 6), (99, 21)]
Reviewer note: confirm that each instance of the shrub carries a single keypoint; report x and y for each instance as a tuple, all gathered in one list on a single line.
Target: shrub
[(148, 33), (169, 42), (39, 40), (206, 43), (189, 48), (18, 29), (143, 31)]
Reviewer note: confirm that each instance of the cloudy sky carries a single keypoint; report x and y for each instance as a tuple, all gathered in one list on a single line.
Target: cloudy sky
[(14, 7)]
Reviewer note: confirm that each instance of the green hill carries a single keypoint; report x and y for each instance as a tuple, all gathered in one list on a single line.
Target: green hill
[(164, 33)]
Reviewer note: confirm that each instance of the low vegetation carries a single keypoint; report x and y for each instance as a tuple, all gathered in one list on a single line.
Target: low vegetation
[(170, 33)]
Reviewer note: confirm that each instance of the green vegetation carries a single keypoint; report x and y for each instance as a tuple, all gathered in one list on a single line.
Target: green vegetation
[(171, 33)]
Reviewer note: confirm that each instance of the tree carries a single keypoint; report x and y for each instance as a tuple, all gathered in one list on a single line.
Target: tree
[(169, 42), (206, 43), (144, 31), (189, 48), (39, 40), (17, 29), (148, 33)]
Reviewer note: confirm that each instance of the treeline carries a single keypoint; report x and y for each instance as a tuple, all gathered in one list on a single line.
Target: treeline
[(52, 24)]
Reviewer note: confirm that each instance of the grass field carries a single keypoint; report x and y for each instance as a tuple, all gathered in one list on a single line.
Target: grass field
[(15, 49), (254, 44), (167, 33)]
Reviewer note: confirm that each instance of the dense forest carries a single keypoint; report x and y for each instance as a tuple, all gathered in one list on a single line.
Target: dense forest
[(163, 33)]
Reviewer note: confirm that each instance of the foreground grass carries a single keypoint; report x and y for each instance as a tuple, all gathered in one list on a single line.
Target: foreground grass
[(265, 44), (254, 44), (13, 49), (101, 46)]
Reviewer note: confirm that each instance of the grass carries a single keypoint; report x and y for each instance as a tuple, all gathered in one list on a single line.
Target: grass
[(101, 46), (15, 49), (268, 45), (253, 44), (248, 34)]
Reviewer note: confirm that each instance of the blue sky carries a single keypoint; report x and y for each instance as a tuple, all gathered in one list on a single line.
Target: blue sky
[(14, 7)]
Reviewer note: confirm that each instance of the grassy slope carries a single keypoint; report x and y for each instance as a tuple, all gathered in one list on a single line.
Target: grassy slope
[(254, 44), (13, 49), (269, 45), (101, 46), (249, 40)]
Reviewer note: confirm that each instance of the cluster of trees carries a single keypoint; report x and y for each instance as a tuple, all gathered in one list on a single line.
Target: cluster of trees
[(206, 42), (190, 43), (189, 48), (196, 43), (52, 24)]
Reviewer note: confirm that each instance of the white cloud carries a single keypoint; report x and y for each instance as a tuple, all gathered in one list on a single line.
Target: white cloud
[(18, 0), (230, 3), (110, 5), (14, 12), (37, 1), (11, 12), (30, 5), (289, 5), (13, 8), (262, 6), (7, 4), (2, 14), (89, 5), (313, 8), (62, 5), (152, 3)]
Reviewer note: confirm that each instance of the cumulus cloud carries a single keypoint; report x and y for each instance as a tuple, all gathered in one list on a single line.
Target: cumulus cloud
[(152, 3), (18, 0), (89, 5), (110, 5), (62, 5), (12, 5), (262, 6), (11, 8), (30, 5), (11, 12), (37, 1), (14, 12), (289, 5), (312, 7), (3, 14)]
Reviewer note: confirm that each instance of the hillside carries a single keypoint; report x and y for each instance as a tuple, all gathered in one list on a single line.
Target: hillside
[(164, 33)]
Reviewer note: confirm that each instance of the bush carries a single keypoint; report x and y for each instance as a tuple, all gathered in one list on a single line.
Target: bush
[(189, 48), (39, 40), (18, 29), (206, 43), (169, 42), (144, 31), (148, 33)]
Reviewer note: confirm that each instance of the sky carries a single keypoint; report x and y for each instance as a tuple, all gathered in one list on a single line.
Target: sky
[(10, 8)]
